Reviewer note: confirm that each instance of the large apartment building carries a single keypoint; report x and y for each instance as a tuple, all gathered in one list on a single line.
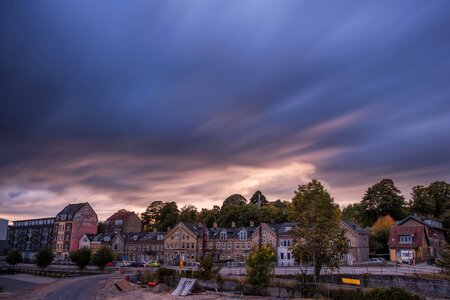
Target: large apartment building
[(71, 224), (30, 236)]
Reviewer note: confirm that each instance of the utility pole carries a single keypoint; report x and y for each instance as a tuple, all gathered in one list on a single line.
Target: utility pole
[(260, 224)]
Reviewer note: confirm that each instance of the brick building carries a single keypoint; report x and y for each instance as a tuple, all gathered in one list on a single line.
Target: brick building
[(71, 224), (123, 221), (182, 243), (144, 246), (30, 236)]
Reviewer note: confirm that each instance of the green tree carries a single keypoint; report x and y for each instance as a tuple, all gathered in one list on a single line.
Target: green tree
[(150, 216), (261, 266), (103, 256), (317, 238), (235, 199), (188, 213), (421, 202), (209, 216), (168, 216), (100, 227), (81, 257), (382, 199), (444, 261), (353, 212), (254, 198), (206, 268), (13, 257), (439, 191), (44, 258)]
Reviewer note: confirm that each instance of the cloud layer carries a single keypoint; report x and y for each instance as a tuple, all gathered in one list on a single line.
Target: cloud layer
[(121, 105)]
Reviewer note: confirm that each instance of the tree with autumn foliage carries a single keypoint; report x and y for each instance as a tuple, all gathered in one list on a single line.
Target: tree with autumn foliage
[(318, 238), (379, 235)]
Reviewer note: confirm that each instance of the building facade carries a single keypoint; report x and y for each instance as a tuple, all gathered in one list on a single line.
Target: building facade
[(358, 243), (30, 236), (408, 243), (123, 221), (181, 244), (71, 224), (144, 247), (3, 236)]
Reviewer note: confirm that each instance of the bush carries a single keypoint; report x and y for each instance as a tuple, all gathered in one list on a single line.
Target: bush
[(392, 293), (44, 258), (168, 276), (147, 276)]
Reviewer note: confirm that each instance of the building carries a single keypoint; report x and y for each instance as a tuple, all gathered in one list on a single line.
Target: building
[(95, 241), (434, 229), (358, 243), (3, 236), (408, 242), (71, 224), (144, 246), (30, 236), (181, 244), (284, 244), (123, 221)]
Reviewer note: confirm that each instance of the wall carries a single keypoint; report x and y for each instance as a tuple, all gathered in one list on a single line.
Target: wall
[(84, 222)]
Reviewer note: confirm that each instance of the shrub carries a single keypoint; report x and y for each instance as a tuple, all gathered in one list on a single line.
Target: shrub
[(260, 266), (44, 258), (147, 276)]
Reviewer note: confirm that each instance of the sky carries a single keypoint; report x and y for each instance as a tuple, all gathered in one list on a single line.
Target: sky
[(123, 103)]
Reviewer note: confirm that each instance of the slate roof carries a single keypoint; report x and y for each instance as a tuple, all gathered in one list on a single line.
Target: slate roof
[(417, 231), (355, 226), (69, 211), (424, 221), (122, 214)]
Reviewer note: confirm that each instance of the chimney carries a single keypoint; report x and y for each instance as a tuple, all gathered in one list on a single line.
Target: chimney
[(200, 224), (155, 230), (215, 225), (233, 224), (168, 228), (252, 224)]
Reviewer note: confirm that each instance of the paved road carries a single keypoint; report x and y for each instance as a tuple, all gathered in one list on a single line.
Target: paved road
[(14, 285), (80, 288)]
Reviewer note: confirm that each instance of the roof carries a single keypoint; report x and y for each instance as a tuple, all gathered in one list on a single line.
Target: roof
[(69, 211), (355, 227), (122, 215), (424, 221), (416, 231)]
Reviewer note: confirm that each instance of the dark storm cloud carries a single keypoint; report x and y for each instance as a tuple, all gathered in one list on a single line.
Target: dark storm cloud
[(131, 99)]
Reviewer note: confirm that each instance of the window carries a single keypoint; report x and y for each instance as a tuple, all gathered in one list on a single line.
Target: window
[(349, 243), (243, 235), (223, 235), (281, 255), (192, 244), (118, 222), (229, 246), (407, 239)]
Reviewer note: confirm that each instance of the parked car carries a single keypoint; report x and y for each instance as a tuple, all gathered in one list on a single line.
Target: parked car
[(376, 261), (153, 264)]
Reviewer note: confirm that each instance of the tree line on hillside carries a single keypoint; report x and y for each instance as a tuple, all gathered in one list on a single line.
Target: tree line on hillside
[(235, 208)]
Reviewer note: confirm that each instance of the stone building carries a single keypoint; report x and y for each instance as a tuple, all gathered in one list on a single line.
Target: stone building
[(123, 221), (182, 244), (144, 246), (30, 236), (358, 242), (95, 241), (71, 224)]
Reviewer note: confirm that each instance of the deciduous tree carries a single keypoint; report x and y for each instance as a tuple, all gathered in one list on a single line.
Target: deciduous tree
[(379, 234), (167, 216), (13, 258), (382, 199), (254, 198), (81, 257), (188, 213), (317, 238), (150, 216), (235, 199), (261, 265), (44, 258), (103, 256)]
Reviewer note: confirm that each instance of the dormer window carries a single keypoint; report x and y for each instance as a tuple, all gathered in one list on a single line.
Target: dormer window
[(160, 237), (223, 235), (135, 237), (243, 235), (406, 239), (287, 228)]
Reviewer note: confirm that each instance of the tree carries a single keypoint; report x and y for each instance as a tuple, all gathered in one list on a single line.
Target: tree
[(382, 199), (317, 238), (209, 216), (254, 198), (439, 191), (44, 258), (13, 257), (167, 216), (444, 261), (353, 212), (150, 216), (81, 257), (206, 269), (235, 199), (421, 202), (103, 256), (188, 214), (261, 265), (100, 227), (379, 234)]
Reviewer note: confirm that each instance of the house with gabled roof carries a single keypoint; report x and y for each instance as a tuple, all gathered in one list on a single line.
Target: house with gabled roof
[(408, 242), (358, 243), (123, 221), (181, 244)]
